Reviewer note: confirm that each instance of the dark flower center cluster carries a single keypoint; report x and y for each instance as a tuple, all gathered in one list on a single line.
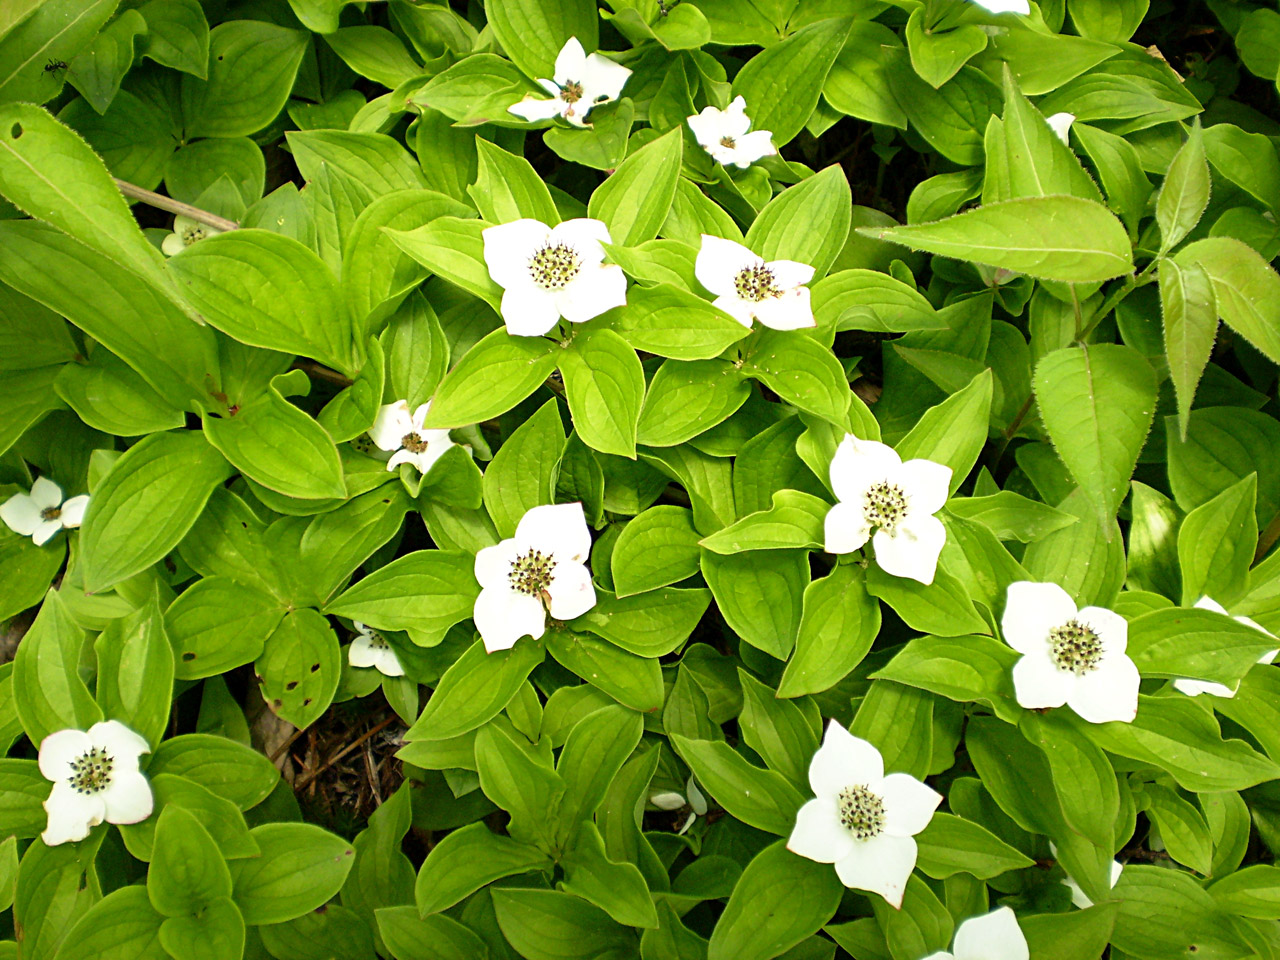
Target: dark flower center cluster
[(755, 283), (413, 443), (91, 773), (1075, 647), (885, 505), (552, 267), (532, 573), (571, 92), (50, 513), (861, 812)]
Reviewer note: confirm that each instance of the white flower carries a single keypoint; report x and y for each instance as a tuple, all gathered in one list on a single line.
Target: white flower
[(1078, 897), (396, 429), (1005, 6), (671, 800), (551, 272), (992, 936), (185, 232), (747, 288), (581, 82), (41, 513), (1193, 688), (370, 649), (1070, 656), (95, 777), (861, 820), (539, 570), (1061, 124), (877, 490), (723, 134)]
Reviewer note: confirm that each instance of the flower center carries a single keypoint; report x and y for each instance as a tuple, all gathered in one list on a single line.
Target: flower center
[(728, 142), (532, 573), (92, 772), (191, 234), (1075, 648), (377, 640), (50, 513), (885, 506), (552, 267), (755, 283), (571, 92), (861, 812), (413, 443)]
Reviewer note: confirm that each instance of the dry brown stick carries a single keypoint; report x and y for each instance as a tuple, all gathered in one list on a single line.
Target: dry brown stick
[(305, 781), (161, 202)]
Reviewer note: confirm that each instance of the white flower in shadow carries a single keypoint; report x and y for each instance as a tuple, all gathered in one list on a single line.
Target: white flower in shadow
[(95, 778), (582, 81), (42, 513)]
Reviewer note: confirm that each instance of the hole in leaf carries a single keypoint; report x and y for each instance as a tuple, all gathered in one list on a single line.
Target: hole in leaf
[(188, 657), (291, 684), (306, 702), (16, 132), (315, 667)]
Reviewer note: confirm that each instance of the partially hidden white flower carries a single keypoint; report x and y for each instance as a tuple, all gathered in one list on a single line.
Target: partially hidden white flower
[(95, 778), (370, 649), (582, 81), (551, 272), (396, 429), (724, 134), (861, 820), (1069, 656), (1193, 688), (992, 936), (695, 805), (1078, 897), (541, 570), (42, 513), (1005, 6), (748, 288), (185, 232), (1061, 124), (877, 491)]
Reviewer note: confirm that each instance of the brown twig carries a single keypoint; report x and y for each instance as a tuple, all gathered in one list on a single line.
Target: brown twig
[(311, 775), (1268, 538), (161, 202), (321, 372)]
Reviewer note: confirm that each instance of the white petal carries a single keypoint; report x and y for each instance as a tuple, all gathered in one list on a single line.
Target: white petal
[(1031, 610), (21, 514), (504, 616), (602, 79), (790, 273), (818, 834), (388, 663), (845, 528), (913, 550), (926, 485), (1108, 693), (1208, 603), (46, 493), (940, 955), (532, 109), (908, 804), (993, 936), (752, 146), (881, 865), (399, 457), (1111, 628), (736, 307), (843, 760), (1005, 6), (46, 531), (585, 235), (791, 311), (719, 262), (362, 653), (696, 800), (128, 799), (1193, 688), (708, 126), (172, 245), (121, 743), (1078, 897), (73, 511), (858, 464), (593, 291), (71, 814), (559, 529), (571, 591), (58, 750), (736, 122), (390, 425), (570, 61), (529, 311), (669, 800), (425, 460), (493, 564), (1038, 683), (508, 248), (1061, 124)]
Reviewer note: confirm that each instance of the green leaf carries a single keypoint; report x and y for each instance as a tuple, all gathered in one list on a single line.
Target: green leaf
[(1011, 516), (300, 868), (1216, 543), (760, 798), (954, 432), (671, 322), (1083, 778), (794, 520), (801, 371), (1195, 643), (648, 624), (410, 937), (425, 592), (47, 689), (1069, 239), (604, 384), (218, 815), (1037, 163), (635, 199), (507, 188), (109, 396), (227, 768), (1077, 935), (632, 680), (1251, 892), (783, 229), (937, 55), (1190, 313), (177, 35), (187, 871), (135, 672), (1149, 896), (532, 32), (780, 900), (518, 778), (1097, 403), (1185, 193), (522, 473), (1182, 828), (218, 624), (550, 925), (943, 608), (617, 888), (252, 66), (760, 594), (300, 666), (56, 31), (1245, 289), (778, 730), (121, 924), (657, 548), (950, 845), (838, 623), (495, 375), (962, 668), (468, 859), (1086, 559), (98, 70), (475, 689), (687, 398)]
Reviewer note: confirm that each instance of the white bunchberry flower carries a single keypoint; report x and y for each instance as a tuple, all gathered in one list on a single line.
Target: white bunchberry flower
[(1193, 688), (724, 134), (581, 82), (95, 777), (42, 513), (370, 649), (876, 490), (861, 820), (1005, 6), (185, 232), (747, 288), (1078, 897), (1070, 656), (551, 272), (541, 570), (671, 800), (396, 429), (992, 936), (1061, 124)]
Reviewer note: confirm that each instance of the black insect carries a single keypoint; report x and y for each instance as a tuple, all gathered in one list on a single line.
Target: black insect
[(53, 66)]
